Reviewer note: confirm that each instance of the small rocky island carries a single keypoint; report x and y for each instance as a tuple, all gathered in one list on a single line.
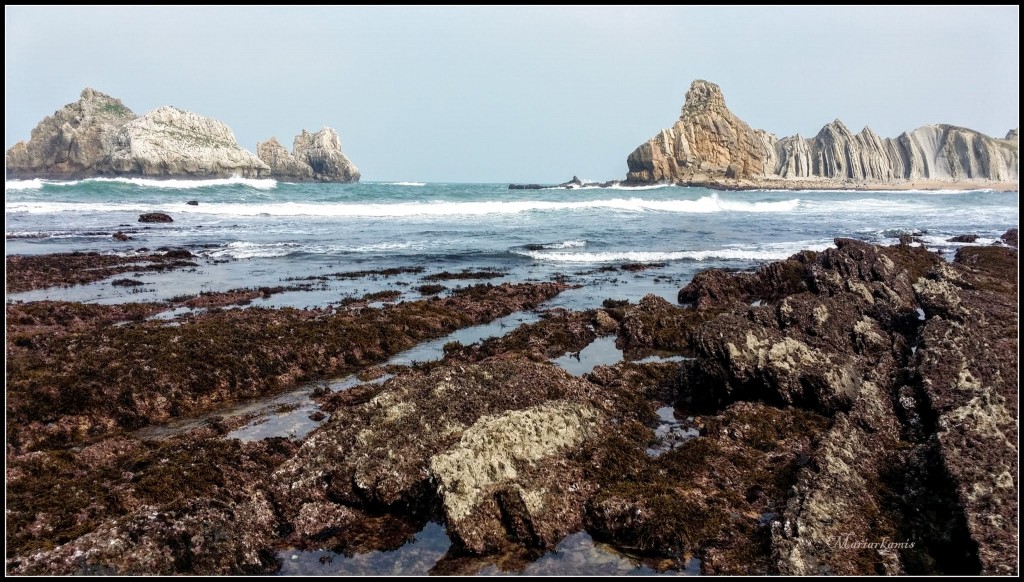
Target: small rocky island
[(710, 146), (99, 136)]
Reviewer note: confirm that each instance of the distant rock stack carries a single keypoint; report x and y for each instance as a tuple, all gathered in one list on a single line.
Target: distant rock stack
[(169, 142), (315, 156), (98, 136), (710, 145), (71, 142)]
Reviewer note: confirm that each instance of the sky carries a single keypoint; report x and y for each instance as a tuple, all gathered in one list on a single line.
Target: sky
[(516, 94)]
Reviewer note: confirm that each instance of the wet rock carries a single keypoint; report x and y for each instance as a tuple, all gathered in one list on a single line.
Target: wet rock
[(129, 376), (1010, 237), (710, 494), (25, 273), (155, 217), (121, 237), (963, 238), (192, 505), (193, 203), (490, 444)]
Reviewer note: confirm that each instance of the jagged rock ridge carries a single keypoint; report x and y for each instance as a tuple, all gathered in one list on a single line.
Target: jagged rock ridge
[(709, 143)]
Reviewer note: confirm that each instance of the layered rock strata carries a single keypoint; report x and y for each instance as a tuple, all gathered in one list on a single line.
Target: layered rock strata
[(709, 145)]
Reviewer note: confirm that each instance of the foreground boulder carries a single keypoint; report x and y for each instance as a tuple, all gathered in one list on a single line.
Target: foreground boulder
[(489, 443)]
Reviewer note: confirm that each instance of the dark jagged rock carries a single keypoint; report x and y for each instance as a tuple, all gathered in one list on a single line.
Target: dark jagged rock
[(193, 203), (155, 217), (1010, 237), (963, 238), (121, 237), (489, 443)]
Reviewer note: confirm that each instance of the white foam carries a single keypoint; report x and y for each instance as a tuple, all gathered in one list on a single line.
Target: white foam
[(257, 183), (767, 253), (406, 183), (250, 250), (568, 244), (706, 204), (253, 250), (33, 184)]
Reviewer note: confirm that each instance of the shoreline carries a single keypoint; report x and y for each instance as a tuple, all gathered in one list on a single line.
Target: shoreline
[(826, 186), (737, 401)]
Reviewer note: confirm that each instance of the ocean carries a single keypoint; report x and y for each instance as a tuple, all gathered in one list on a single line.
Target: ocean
[(252, 233)]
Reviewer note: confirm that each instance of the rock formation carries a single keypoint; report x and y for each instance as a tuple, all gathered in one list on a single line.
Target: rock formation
[(711, 146), (72, 141), (98, 136), (315, 156), (170, 142)]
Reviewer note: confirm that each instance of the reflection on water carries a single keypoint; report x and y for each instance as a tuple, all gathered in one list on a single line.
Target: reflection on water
[(288, 414), (414, 558), (671, 432), (434, 350), (577, 554), (600, 352)]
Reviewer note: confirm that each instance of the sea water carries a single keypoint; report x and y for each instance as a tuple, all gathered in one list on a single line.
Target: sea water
[(251, 233)]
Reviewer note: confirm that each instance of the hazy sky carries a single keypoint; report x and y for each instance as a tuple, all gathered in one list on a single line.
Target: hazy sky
[(516, 94)]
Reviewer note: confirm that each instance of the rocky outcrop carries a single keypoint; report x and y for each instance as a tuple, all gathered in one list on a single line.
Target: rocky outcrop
[(570, 185), (711, 146), (98, 136), (315, 156), (155, 217), (707, 142), (168, 142), (852, 411), (71, 142), (282, 163)]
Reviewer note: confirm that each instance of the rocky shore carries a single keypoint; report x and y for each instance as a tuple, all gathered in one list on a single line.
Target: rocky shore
[(851, 411), (99, 136)]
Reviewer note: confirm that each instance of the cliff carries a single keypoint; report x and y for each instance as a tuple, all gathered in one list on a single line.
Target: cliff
[(98, 136), (315, 156), (709, 145)]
